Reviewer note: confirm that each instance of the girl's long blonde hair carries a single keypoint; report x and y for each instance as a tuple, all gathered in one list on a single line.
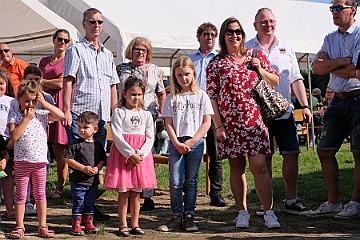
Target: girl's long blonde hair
[(175, 86)]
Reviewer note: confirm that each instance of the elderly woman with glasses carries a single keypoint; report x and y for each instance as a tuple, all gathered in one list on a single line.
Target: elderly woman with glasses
[(52, 68), (240, 128), (139, 52)]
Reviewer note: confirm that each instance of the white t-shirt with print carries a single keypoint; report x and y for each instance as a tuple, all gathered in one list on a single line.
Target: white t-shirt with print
[(32, 145), (187, 111), (6, 103)]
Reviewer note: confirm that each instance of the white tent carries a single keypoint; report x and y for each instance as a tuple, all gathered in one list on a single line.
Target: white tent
[(27, 26), (171, 24)]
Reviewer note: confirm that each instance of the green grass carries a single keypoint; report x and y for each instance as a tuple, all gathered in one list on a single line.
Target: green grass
[(311, 186)]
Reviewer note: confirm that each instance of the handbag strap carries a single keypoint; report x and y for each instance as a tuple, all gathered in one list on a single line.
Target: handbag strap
[(254, 55)]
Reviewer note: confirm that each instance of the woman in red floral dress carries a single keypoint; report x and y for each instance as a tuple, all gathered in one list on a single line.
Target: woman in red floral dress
[(240, 129)]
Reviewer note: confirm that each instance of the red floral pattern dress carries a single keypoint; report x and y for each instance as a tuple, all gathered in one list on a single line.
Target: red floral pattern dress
[(230, 84)]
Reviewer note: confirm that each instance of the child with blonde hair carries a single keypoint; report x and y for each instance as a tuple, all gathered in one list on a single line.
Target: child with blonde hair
[(187, 114)]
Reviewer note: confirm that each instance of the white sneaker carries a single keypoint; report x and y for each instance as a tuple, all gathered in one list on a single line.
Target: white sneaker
[(242, 220), (29, 209), (350, 210), (271, 220), (325, 210)]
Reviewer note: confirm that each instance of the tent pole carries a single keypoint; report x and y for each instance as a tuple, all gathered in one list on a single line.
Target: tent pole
[(172, 56), (310, 102)]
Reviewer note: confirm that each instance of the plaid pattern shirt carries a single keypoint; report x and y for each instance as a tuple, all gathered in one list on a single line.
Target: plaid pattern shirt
[(94, 73)]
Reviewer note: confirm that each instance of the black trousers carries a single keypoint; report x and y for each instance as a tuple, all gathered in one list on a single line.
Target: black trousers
[(215, 166)]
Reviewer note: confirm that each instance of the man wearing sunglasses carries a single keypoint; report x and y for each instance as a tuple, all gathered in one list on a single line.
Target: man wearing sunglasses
[(14, 66), (90, 81), (283, 59), (338, 56), (206, 35)]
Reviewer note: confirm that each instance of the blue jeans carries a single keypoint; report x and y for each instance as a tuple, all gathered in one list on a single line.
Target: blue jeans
[(341, 118), (83, 198), (187, 165), (72, 133)]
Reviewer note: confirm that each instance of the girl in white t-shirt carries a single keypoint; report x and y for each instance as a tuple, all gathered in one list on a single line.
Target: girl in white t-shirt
[(187, 113), (27, 129)]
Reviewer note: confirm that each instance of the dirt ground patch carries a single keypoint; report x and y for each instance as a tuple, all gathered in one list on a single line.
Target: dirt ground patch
[(214, 223)]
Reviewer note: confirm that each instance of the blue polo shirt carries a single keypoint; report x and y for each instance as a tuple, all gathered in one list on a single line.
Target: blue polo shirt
[(201, 63)]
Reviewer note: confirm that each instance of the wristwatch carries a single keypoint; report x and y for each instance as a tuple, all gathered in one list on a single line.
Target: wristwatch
[(306, 106)]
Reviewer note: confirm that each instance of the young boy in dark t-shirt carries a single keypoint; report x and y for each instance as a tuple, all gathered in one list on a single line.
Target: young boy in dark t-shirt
[(85, 157)]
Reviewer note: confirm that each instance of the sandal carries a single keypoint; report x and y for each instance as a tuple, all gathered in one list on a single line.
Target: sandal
[(56, 194), (44, 232), (18, 233)]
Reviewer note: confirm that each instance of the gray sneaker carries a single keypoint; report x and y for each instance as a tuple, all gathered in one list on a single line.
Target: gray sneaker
[(325, 210), (173, 224), (350, 210), (189, 223), (271, 220)]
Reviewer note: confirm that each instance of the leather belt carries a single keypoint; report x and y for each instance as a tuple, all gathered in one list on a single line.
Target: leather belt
[(354, 93)]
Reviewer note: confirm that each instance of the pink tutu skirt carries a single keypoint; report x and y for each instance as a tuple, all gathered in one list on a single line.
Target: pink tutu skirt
[(118, 175)]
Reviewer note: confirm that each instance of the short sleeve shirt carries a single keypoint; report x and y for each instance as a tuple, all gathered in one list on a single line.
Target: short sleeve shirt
[(94, 72), (338, 45), (32, 145), (88, 154), (187, 112)]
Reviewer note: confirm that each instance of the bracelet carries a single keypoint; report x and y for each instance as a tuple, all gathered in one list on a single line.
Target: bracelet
[(219, 127)]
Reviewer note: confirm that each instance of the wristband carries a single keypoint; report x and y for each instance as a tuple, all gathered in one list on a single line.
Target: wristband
[(306, 106), (219, 127)]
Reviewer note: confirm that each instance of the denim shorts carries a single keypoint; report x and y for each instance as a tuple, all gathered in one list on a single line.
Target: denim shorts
[(285, 133), (341, 119)]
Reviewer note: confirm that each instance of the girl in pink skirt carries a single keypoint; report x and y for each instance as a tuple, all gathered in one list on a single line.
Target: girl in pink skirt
[(130, 167)]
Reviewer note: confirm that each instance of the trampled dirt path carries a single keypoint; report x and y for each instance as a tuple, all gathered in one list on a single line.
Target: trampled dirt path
[(214, 223)]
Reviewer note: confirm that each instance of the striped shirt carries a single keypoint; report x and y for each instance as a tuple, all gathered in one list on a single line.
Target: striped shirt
[(94, 72)]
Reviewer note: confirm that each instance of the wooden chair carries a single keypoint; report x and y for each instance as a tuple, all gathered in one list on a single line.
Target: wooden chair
[(304, 130), (160, 159)]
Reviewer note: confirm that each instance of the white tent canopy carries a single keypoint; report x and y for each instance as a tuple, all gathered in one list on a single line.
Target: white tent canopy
[(27, 26), (171, 24)]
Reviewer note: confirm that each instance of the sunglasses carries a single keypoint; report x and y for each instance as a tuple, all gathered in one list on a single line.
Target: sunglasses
[(4, 51), (231, 32), (140, 50), (271, 22), (95, 21), (63, 40), (339, 8)]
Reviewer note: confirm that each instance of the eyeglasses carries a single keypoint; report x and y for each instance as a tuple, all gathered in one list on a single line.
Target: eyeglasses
[(35, 79), (4, 51), (140, 50), (63, 40), (231, 32), (271, 22), (329, 92), (95, 21), (339, 8), (207, 34)]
